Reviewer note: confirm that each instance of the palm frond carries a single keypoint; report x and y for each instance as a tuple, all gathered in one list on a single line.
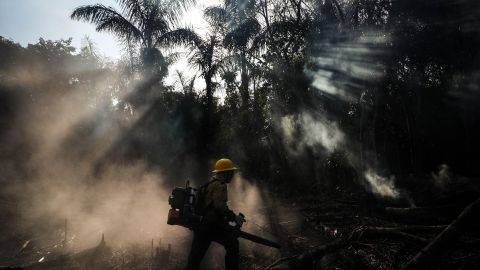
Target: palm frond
[(216, 15), (118, 25), (177, 4), (242, 34), (107, 19), (159, 25), (174, 57), (230, 60), (197, 60), (178, 37), (133, 10), (172, 10), (284, 28)]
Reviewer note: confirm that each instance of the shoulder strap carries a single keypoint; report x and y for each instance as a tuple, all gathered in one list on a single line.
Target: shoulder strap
[(204, 186), (202, 194)]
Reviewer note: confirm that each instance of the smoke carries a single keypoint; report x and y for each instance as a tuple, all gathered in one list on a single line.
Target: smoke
[(314, 130), (58, 138), (67, 131), (382, 186), (259, 207), (343, 69), (245, 196), (443, 177), (128, 204)]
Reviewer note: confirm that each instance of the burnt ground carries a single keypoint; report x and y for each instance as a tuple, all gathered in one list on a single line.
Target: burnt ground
[(348, 230), (335, 230)]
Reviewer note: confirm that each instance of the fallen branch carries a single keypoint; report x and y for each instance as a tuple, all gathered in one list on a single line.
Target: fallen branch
[(393, 233), (424, 214), (415, 228), (325, 218), (446, 237), (302, 260), (398, 233)]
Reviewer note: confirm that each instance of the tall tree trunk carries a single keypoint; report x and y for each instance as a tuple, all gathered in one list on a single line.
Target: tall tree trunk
[(209, 108), (205, 137), (244, 82), (209, 92)]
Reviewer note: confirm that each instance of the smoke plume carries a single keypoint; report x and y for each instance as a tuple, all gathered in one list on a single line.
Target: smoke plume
[(59, 138)]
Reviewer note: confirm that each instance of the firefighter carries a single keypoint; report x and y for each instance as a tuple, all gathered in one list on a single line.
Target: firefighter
[(216, 215)]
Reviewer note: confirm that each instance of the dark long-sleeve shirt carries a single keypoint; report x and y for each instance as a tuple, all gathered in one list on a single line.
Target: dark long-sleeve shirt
[(216, 200)]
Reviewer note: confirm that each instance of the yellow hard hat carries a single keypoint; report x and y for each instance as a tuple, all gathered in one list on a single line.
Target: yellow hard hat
[(224, 164)]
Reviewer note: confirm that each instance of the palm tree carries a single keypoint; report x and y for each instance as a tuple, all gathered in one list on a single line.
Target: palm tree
[(238, 41), (206, 58), (145, 23), (238, 18)]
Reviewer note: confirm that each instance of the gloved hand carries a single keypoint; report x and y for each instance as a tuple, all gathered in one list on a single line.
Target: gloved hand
[(240, 219)]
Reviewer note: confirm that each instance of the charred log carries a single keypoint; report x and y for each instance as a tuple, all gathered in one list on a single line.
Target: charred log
[(448, 236)]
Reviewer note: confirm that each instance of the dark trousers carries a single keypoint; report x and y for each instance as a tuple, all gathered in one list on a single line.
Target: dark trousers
[(202, 238)]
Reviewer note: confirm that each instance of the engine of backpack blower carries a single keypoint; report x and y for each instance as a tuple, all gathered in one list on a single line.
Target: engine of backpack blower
[(182, 202)]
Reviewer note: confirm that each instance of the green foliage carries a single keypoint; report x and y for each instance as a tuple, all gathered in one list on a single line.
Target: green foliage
[(239, 37)]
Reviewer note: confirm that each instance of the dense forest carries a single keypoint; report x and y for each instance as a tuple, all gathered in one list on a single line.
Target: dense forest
[(353, 114)]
